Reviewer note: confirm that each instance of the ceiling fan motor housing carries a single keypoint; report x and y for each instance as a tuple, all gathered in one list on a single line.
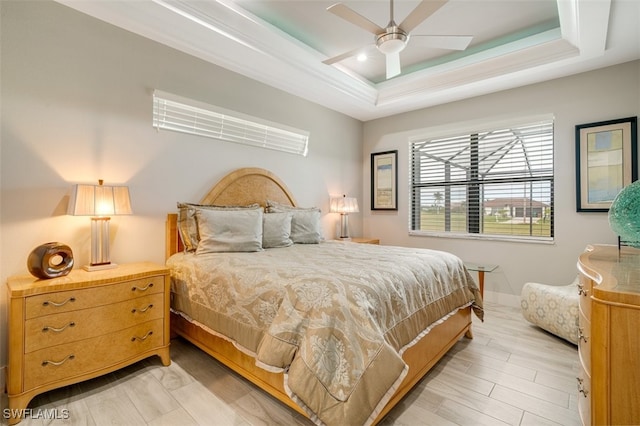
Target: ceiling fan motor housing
[(393, 40)]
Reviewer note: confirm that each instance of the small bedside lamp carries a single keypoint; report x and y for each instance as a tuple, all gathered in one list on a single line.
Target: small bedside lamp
[(344, 205), (100, 202)]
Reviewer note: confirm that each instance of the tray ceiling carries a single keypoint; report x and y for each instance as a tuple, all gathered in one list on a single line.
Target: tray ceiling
[(284, 43)]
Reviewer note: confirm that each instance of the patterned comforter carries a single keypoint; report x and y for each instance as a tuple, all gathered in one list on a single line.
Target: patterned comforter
[(335, 317)]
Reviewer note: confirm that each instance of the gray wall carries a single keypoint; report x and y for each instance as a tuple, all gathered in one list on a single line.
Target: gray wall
[(76, 107), (599, 95)]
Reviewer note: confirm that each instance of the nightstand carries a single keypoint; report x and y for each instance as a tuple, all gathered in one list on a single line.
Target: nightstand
[(363, 240), (85, 324)]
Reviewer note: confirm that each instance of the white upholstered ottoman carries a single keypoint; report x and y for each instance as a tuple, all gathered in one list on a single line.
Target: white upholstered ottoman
[(553, 308)]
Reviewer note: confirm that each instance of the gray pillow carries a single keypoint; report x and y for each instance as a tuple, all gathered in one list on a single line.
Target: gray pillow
[(305, 222), (229, 230), (276, 230), (187, 226)]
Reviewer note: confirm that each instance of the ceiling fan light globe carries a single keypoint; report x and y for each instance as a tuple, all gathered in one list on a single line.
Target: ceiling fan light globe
[(391, 46), (392, 42)]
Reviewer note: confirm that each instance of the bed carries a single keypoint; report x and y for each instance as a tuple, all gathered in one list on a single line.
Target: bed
[(319, 325)]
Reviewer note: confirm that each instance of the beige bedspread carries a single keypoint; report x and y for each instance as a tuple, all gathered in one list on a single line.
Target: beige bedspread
[(335, 317)]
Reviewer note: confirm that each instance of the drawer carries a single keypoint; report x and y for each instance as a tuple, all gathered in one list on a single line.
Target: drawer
[(65, 327), (83, 298), (584, 342), (585, 289), (62, 362), (584, 398)]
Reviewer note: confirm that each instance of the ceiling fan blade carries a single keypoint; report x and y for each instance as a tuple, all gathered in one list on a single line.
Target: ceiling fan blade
[(420, 13), (393, 64), (342, 11), (449, 42), (349, 54)]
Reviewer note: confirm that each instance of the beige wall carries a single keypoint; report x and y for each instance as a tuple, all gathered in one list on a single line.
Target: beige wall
[(594, 96), (76, 107)]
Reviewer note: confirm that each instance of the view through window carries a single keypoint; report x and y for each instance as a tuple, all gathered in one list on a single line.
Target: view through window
[(489, 183)]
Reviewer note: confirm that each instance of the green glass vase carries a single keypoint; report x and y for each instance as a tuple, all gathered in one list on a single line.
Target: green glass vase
[(624, 215)]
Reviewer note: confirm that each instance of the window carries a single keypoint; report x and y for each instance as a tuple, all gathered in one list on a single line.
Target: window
[(495, 183), (171, 112)]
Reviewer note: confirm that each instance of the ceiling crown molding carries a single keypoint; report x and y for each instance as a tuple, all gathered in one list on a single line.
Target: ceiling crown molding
[(223, 33)]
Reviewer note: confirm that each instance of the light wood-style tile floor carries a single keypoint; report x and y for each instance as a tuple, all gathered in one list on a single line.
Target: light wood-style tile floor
[(511, 373)]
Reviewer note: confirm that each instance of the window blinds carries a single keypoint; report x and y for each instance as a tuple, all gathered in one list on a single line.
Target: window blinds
[(171, 112), (497, 182)]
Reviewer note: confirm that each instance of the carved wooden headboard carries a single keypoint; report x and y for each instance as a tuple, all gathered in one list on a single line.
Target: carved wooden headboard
[(250, 185)]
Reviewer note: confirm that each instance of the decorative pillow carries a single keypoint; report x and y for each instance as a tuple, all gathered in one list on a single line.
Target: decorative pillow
[(276, 230), (229, 230), (187, 226), (305, 222)]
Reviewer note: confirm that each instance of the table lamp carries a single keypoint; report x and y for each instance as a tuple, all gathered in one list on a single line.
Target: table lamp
[(344, 205), (100, 202)]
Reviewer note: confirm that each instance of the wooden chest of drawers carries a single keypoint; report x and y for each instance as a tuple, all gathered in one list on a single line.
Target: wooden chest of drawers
[(609, 341), (77, 327)]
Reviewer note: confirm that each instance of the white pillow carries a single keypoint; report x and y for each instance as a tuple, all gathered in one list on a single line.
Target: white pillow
[(229, 230), (276, 230), (305, 222), (187, 225)]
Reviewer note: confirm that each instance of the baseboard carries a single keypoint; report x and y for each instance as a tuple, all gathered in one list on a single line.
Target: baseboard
[(502, 298)]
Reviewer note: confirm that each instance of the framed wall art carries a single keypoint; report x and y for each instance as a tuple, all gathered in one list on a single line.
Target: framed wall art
[(384, 180), (606, 162)]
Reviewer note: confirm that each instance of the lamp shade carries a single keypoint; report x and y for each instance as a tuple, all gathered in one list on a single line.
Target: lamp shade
[(344, 205), (100, 200)]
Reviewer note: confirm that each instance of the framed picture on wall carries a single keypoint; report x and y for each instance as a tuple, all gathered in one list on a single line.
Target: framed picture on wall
[(384, 180), (606, 162)]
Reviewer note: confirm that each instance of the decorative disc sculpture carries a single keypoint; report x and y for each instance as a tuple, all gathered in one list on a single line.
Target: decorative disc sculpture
[(50, 260)]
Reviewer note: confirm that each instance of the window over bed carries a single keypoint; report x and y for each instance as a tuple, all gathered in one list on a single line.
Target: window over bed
[(486, 183), (172, 112)]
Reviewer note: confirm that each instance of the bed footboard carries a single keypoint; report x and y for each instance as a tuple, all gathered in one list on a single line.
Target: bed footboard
[(420, 358)]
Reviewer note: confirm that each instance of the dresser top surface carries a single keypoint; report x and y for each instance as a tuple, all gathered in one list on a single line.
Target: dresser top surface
[(614, 270), (26, 284)]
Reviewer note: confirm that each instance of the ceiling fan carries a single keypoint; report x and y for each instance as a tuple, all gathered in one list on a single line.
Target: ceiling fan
[(394, 38)]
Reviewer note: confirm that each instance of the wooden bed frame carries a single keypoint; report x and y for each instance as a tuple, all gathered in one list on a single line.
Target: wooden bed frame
[(254, 185)]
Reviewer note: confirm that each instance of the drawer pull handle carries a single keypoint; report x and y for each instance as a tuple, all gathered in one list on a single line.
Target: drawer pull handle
[(142, 310), (58, 330), (581, 336), (143, 338), (581, 388), (145, 288), (56, 304), (581, 290), (68, 357)]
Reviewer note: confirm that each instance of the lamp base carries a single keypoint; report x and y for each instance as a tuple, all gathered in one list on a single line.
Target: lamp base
[(344, 227), (92, 268)]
